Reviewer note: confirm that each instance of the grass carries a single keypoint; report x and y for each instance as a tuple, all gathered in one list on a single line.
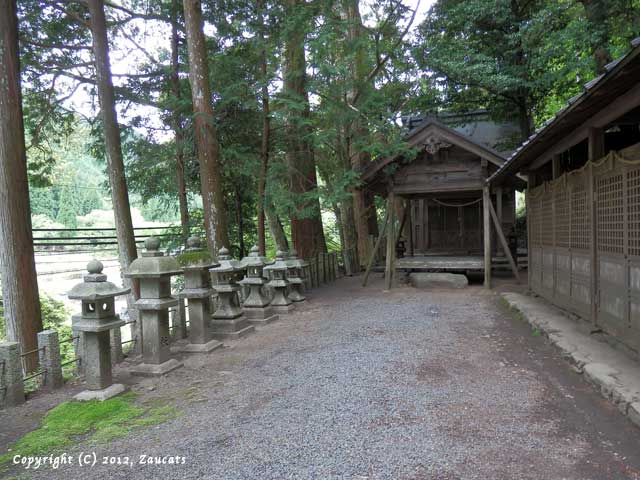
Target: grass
[(102, 421), (194, 258)]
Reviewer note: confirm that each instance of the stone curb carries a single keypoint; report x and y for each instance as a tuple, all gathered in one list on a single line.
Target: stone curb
[(615, 375)]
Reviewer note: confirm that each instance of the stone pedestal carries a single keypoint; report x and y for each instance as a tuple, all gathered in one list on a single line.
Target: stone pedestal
[(228, 321), (295, 276), (154, 272), (197, 290), (12, 385), (95, 323), (256, 305), (280, 303)]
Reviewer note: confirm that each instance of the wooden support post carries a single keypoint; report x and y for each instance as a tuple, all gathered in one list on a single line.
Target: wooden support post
[(376, 247), (593, 247), (425, 225), (421, 240), (596, 144), (486, 200), (499, 209), (391, 247), (411, 229), (527, 205), (503, 241), (555, 166)]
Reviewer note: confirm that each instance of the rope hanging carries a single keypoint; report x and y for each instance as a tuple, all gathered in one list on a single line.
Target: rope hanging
[(612, 156), (456, 206)]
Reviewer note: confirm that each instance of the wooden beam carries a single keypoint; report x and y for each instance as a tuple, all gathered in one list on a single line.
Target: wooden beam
[(391, 248), (619, 107), (376, 247), (503, 241), (486, 201)]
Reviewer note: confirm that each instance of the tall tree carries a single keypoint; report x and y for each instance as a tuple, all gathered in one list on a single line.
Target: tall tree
[(178, 123), (491, 55), (266, 128), (113, 146), (306, 222), (205, 130), (17, 265)]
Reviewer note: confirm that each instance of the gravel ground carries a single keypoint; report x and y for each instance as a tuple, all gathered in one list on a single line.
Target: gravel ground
[(361, 384)]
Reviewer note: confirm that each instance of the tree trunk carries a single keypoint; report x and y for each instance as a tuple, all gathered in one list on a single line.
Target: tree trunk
[(266, 134), (127, 252), (276, 229), (306, 224), (206, 135), (362, 201), (240, 221), (178, 124), (349, 235), (17, 266)]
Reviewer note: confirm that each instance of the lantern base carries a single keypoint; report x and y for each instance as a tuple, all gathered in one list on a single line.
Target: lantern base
[(101, 395), (155, 370), (260, 316), (283, 309), (208, 347), (231, 329)]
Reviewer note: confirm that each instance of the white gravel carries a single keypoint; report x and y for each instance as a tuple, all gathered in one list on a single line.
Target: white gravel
[(362, 384)]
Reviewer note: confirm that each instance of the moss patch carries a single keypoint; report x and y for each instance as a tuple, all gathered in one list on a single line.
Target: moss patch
[(102, 421), (194, 258)]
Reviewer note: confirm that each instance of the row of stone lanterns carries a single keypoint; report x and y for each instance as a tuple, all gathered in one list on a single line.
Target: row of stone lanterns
[(285, 277)]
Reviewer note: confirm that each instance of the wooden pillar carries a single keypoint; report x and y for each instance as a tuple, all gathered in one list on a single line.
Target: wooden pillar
[(391, 237), (486, 198), (426, 244), (596, 144), (499, 212), (527, 199), (593, 247), (420, 242), (410, 227), (555, 167)]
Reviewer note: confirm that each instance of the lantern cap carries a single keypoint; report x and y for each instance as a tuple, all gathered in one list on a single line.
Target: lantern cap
[(195, 256), (295, 261), (153, 262), (254, 259), (227, 264), (95, 285), (280, 263)]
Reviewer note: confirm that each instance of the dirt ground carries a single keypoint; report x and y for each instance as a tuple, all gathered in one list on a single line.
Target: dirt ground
[(366, 384)]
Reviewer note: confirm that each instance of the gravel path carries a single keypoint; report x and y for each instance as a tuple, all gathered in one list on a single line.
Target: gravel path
[(362, 384)]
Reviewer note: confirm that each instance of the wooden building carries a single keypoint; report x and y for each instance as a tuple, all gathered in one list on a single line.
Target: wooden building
[(583, 202), (444, 216)]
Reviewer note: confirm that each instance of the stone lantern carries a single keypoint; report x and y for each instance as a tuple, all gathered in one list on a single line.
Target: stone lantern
[(256, 305), (228, 320), (280, 303), (296, 275), (95, 322), (197, 290), (154, 271)]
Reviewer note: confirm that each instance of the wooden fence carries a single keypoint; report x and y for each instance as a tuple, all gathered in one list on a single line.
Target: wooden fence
[(584, 237)]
